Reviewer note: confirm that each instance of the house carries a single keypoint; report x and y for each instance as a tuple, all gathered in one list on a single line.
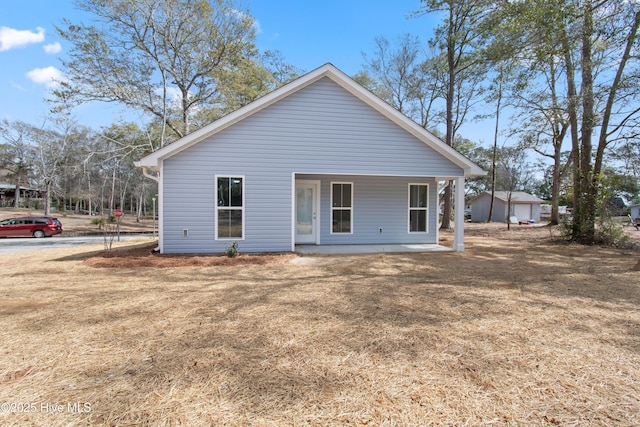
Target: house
[(320, 161), (29, 196), (524, 206)]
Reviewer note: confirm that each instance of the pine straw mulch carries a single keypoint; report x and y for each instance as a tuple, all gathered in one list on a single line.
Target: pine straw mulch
[(142, 255), (510, 332)]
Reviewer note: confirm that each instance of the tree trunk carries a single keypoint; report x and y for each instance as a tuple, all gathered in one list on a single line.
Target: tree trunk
[(509, 211), (555, 187), (495, 150), (611, 97), (447, 199), (47, 198), (139, 201), (588, 189), (16, 198), (572, 110), (113, 191)]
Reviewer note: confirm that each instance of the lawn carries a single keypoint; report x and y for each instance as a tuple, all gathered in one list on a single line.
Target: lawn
[(514, 331)]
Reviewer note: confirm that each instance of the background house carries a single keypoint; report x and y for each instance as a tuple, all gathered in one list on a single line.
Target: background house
[(29, 197), (320, 161), (524, 206)]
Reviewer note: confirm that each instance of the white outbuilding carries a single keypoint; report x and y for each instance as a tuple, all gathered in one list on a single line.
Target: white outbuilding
[(524, 206)]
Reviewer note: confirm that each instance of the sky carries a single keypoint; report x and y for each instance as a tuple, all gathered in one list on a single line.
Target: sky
[(307, 33)]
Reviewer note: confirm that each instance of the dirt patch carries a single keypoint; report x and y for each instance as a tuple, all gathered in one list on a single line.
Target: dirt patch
[(513, 331)]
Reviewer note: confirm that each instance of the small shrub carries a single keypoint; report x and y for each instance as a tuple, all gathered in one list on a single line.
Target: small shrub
[(109, 233), (611, 233), (608, 232), (566, 228), (232, 250), (100, 222)]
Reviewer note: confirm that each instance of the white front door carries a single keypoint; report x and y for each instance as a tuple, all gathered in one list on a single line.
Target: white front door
[(307, 193)]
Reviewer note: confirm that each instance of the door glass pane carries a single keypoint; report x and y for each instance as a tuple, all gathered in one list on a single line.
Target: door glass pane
[(304, 211)]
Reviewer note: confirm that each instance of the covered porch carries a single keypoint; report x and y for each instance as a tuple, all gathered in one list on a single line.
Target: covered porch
[(337, 213), (369, 249)]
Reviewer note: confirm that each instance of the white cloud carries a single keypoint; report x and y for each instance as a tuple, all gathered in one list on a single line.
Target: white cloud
[(50, 76), (11, 38), (52, 48)]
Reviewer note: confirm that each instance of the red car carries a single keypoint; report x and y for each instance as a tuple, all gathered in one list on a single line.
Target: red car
[(30, 226)]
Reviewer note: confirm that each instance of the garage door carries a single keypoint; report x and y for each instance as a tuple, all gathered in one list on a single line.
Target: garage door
[(522, 212)]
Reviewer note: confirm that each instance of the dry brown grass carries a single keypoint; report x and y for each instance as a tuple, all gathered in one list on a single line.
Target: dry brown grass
[(511, 332), (77, 224)]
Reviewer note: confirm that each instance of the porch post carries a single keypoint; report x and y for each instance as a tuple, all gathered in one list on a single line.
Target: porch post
[(458, 219)]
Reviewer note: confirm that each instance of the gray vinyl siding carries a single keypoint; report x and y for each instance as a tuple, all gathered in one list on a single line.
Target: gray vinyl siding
[(321, 130), (379, 202)]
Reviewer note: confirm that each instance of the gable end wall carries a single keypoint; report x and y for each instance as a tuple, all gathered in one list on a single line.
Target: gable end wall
[(321, 129)]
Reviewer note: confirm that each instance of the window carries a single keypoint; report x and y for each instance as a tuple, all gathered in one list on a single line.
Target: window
[(418, 205), (230, 207), (341, 207)]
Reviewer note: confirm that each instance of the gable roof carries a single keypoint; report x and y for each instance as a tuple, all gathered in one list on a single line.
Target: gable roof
[(516, 197), (329, 71)]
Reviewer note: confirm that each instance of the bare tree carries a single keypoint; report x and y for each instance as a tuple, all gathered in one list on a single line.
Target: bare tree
[(459, 38), (163, 57), (396, 68), (16, 155)]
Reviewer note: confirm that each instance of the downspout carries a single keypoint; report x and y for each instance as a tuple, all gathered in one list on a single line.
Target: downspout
[(156, 178)]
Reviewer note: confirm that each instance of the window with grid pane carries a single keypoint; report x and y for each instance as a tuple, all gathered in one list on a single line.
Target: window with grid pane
[(230, 207), (418, 207), (341, 207)]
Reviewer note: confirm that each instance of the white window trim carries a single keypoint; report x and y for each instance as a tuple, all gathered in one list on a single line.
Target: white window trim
[(242, 208), (340, 208), (409, 209)]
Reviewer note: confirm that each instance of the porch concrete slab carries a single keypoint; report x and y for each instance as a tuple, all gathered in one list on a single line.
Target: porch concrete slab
[(368, 249)]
